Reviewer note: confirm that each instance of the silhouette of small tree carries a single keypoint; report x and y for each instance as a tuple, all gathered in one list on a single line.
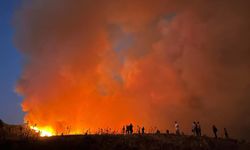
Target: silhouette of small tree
[(1, 124)]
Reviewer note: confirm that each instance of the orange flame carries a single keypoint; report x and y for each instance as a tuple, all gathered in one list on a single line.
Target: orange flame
[(43, 132)]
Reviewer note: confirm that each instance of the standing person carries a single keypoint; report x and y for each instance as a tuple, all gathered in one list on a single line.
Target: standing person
[(194, 128), (167, 132), (215, 130), (226, 133), (177, 128), (131, 128), (142, 130), (198, 129), (127, 129)]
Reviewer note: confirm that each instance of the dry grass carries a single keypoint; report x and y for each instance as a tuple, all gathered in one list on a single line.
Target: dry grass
[(123, 142)]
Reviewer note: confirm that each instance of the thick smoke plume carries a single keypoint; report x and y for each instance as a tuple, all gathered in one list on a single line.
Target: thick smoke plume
[(93, 64)]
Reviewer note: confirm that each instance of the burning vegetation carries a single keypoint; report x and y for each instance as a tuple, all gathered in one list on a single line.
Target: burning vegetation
[(47, 131)]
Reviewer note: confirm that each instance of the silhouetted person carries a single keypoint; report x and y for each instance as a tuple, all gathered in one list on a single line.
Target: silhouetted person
[(177, 128), (215, 130), (167, 132), (127, 129), (198, 129), (158, 132), (131, 128), (194, 128), (142, 130), (226, 133)]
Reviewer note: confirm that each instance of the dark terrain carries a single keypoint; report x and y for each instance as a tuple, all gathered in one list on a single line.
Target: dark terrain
[(123, 142), (20, 137)]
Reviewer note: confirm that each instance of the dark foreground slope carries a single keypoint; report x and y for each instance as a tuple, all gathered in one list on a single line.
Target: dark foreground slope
[(121, 142)]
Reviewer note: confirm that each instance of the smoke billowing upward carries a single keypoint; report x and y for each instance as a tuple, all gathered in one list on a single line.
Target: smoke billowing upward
[(105, 63)]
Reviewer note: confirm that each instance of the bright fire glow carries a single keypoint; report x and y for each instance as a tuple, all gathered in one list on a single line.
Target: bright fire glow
[(43, 132)]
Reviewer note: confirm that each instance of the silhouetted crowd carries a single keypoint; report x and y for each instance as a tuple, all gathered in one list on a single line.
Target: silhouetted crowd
[(196, 130), (129, 129)]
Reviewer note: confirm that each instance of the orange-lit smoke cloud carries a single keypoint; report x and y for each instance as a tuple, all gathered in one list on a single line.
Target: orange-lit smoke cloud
[(105, 63)]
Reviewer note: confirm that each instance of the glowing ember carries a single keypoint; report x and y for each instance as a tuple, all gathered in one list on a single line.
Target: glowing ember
[(43, 132)]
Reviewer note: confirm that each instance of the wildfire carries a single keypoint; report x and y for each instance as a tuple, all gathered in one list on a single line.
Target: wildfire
[(43, 132)]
